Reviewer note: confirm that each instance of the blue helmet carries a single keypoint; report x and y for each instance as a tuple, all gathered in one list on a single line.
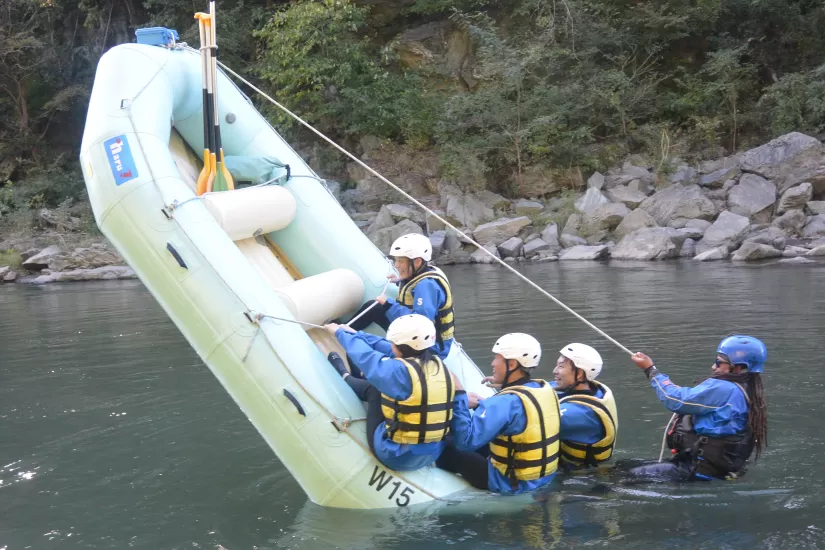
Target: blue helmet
[(745, 350)]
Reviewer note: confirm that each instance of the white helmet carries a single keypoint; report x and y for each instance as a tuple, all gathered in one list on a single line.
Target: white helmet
[(413, 330), (519, 346), (412, 245), (585, 358)]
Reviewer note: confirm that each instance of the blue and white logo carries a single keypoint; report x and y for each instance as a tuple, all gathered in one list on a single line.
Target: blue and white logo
[(120, 159)]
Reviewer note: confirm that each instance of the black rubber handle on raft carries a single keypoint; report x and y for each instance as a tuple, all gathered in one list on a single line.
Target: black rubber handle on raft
[(177, 257), (295, 402)]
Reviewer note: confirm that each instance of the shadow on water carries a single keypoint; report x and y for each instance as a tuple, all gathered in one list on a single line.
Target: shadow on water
[(113, 434)]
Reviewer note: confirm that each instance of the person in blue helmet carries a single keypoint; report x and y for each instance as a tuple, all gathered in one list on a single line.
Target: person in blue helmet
[(423, 289), (511, 444), (589, 420), (718, 423), (408, 390)]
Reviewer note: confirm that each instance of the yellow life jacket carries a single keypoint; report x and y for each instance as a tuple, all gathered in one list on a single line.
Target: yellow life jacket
[(424, 417), (533, 453), (582, 454), (445, 320)]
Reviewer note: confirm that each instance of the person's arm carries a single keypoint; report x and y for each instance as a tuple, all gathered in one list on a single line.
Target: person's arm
[(493, 416), (427, 296), (388, 375)]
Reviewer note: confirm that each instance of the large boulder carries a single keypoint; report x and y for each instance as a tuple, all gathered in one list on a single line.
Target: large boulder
[(466, 211), (649, 243), (511, 248), (57, 219), (702, 225), (433, 223), (728, 230), (753, 197), (596, 181), (535, 246), (751, 251), (791, 221), (493, 200), (481, 257), (789, 160), (604, 218), (720, 253), (383, 238), (550, 235), (684, 174), (590, 201), (437, 240), (383, 220), (677, 204), (688, 249), (41, 260), (795, 198), (442, 48), (584, 252), (105, 273), (573, 225), (528, 208), (569, 241), (815, 207), (718, 177), (629, 197), (815, 227), (818, 251), (500, 230), (404, 212), (633, 221), (798, 260)]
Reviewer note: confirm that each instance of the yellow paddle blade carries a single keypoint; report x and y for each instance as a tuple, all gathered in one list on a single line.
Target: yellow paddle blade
[(210, 186), (223, 172), (203, 177)]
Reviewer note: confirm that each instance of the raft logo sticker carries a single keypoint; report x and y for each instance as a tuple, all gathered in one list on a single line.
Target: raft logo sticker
[(120, 159)]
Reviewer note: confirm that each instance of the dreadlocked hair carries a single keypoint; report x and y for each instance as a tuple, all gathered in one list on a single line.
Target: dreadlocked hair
[(757, 407)]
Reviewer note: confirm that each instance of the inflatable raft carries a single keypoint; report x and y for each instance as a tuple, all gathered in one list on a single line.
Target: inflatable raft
[(217, 262)]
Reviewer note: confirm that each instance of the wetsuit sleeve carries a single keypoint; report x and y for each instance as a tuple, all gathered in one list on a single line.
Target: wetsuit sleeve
[(702, 399), (389, 376), (377, 343), (579, 423), (500, 414), (427, 296)]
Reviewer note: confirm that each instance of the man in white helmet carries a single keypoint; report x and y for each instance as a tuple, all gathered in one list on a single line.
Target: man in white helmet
[(589, 421), (408, 390), (423, 289), (518, 428)]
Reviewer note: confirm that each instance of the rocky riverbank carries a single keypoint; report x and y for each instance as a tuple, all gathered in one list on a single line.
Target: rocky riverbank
[(768, 202)]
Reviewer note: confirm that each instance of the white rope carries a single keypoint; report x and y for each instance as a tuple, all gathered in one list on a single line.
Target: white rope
[(433, 214), (374, 303), (664, 437), (261, 316)]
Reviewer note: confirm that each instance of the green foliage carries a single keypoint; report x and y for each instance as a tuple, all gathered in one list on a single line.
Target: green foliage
[(10, 258), (796, 102)]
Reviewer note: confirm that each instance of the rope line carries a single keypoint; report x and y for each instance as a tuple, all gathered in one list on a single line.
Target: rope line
[(422, 206)]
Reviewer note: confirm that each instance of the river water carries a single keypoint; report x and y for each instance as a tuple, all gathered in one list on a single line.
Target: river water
[(113, 434)]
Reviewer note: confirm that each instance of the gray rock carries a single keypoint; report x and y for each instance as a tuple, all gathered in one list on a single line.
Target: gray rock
[(789, 160), (728, 230), (649, 243), (433, 223), (779, 243), (569, 241), (104, 273), (404, 212), (713, 254), (596, 181), (684, 174), (718, 177), (528, 208), (437, 239), (383, 238), (791, 221), (590, 201), (815, 227), (702, 225), (551, 258), (751, 251), (49, 218), (640, 185), (573, 225), (29, 253), (794, 251), (534, 247), (799, 260), (466, 210), (493, 200), (753, 197), (818, 251), (689, 233), (4, 271), (626, 196), (795, 198), (41, 259), (767, 236), (636, 172), (633, 221), (688, 249), (815, 207), (604, 218), (511, 248), (480, 257), (550, 235), (383, 220), (584, 252), (678, 202), (498, 231)]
